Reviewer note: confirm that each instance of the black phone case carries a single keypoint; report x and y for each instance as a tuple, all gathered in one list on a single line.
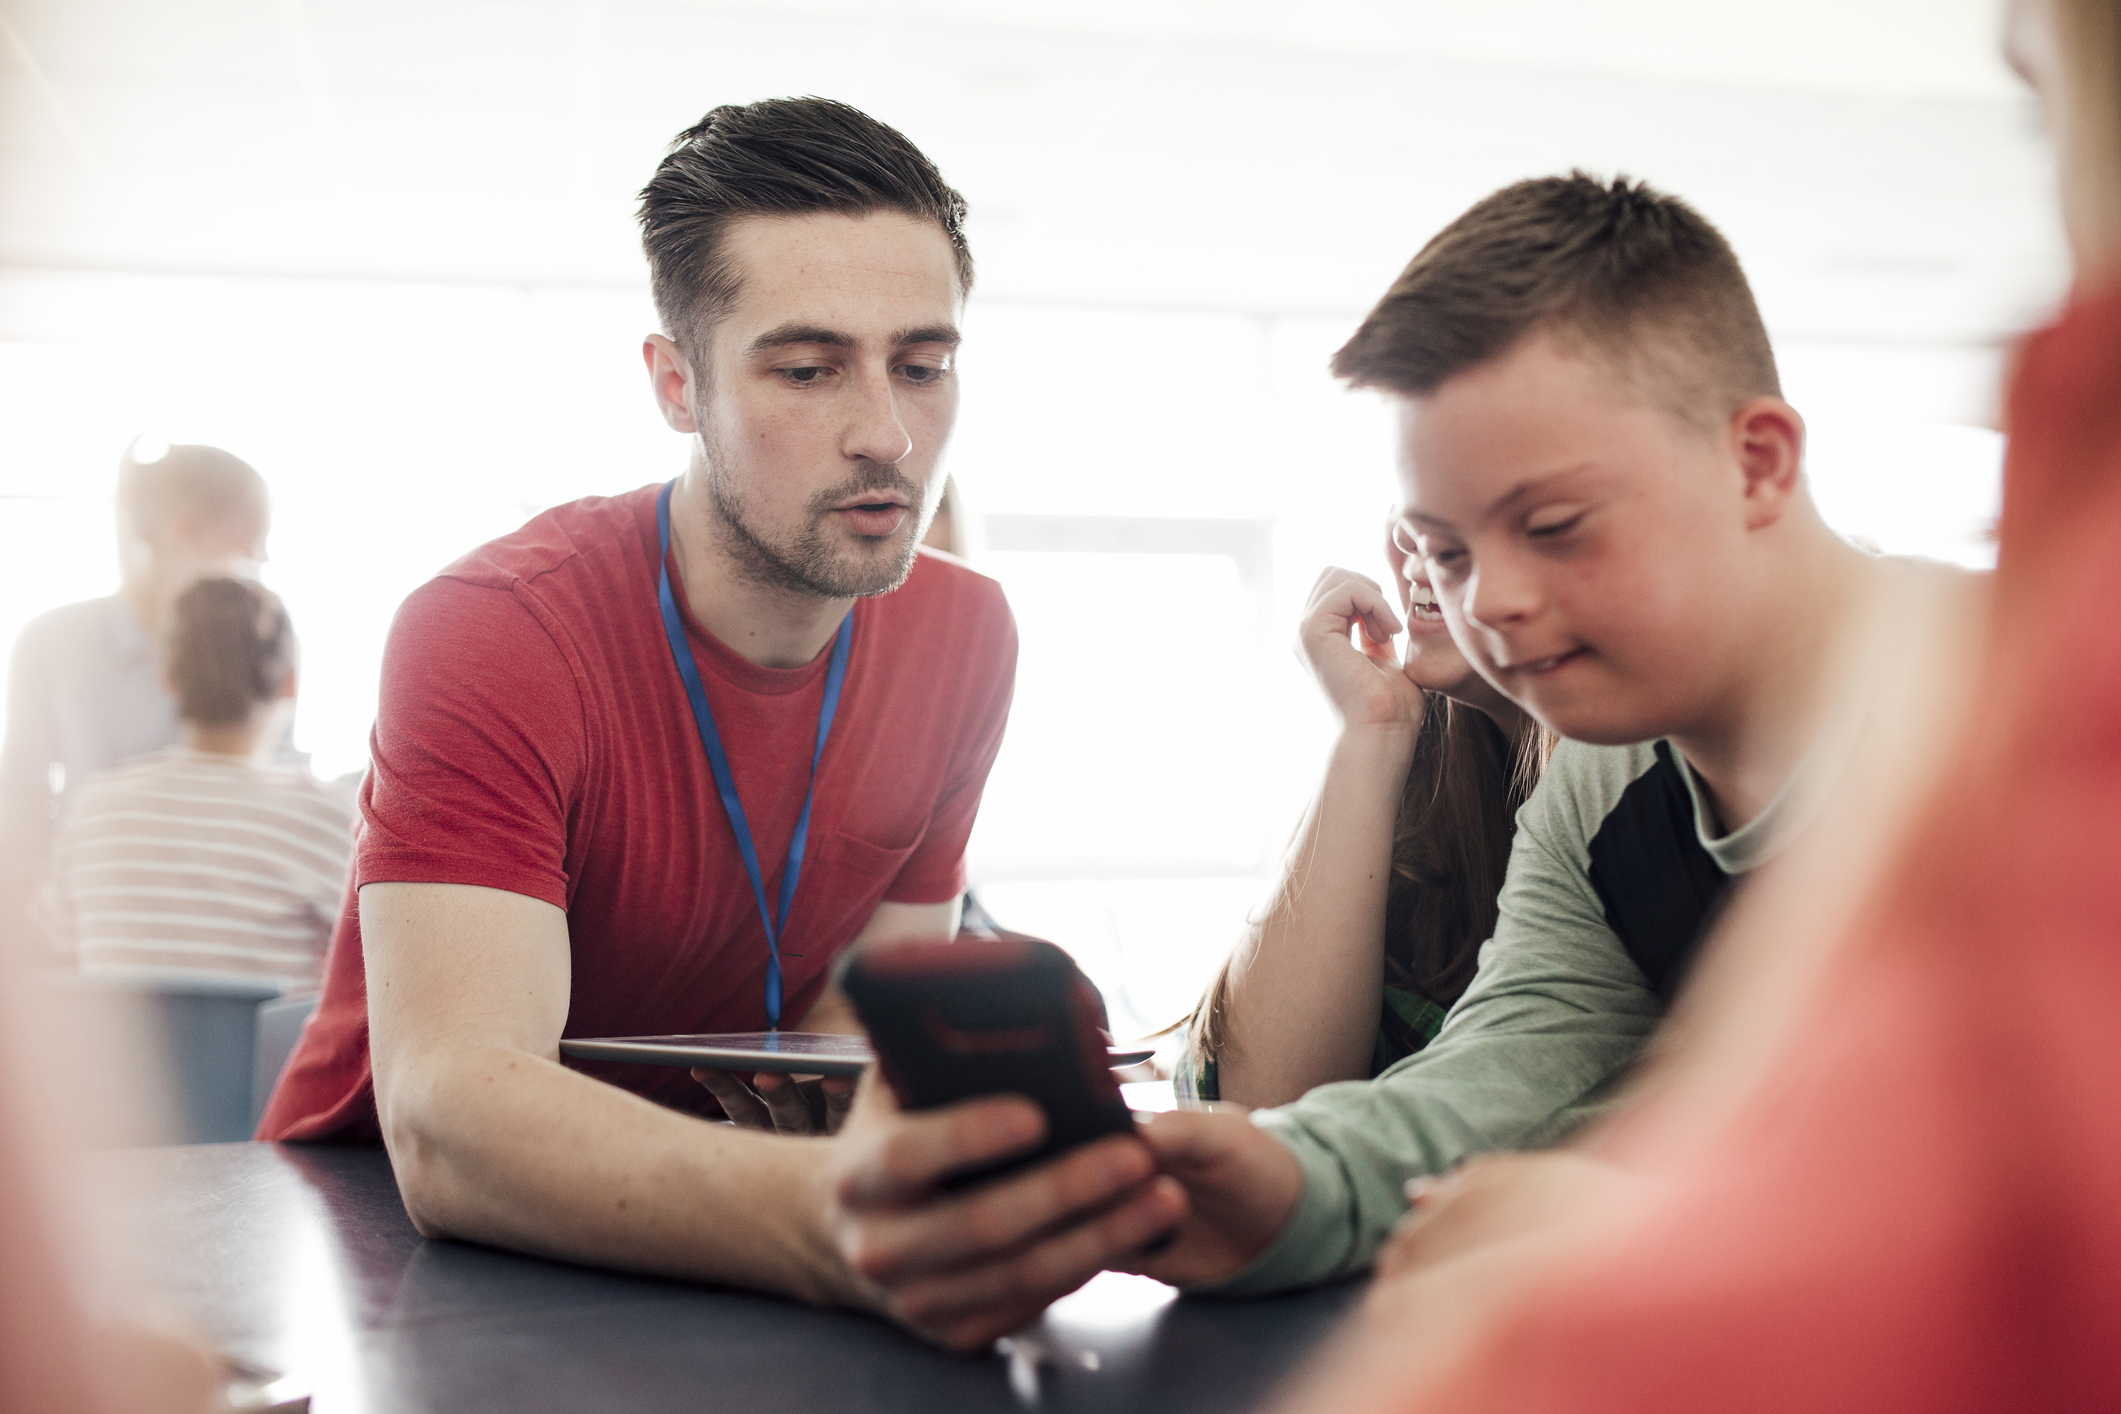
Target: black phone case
[(952, 1021)]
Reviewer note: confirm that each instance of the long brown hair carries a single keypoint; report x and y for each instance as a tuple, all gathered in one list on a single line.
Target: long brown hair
[(1450, 850)]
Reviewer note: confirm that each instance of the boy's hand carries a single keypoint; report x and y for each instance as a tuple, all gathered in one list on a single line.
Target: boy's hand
[(963, 1268), (1241, 1187)]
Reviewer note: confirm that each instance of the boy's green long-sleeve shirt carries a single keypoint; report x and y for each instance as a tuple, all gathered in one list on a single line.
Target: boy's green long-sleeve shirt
[(1549, 1025)]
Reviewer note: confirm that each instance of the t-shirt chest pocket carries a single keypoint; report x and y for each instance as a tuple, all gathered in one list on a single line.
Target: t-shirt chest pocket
[(852, 876)]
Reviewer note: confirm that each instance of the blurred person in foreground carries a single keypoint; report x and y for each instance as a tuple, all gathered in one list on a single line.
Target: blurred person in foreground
[(86, 685), (1878, 1168), (207, 860), (61, 1351)]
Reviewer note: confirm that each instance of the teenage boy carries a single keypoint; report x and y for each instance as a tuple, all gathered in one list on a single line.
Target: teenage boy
[(613, 744), (1605, 483)]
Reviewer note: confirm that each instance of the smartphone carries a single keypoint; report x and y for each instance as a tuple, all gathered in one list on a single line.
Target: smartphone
[(990, 1016)]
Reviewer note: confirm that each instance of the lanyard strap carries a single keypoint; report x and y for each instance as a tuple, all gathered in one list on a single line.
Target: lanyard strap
[(703, 718)]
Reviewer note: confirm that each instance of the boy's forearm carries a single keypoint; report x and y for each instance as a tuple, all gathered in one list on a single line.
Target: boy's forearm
[(1304, 994), (503, 1147), (1530, 1057)]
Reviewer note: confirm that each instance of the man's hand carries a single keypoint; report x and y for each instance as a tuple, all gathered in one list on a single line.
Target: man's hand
[(1490, 1201), (1241, 1187), (964, 1268), (779, 1102)]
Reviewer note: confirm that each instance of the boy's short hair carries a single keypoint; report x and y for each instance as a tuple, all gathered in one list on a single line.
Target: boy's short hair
[(1619, 268), (776, 157)]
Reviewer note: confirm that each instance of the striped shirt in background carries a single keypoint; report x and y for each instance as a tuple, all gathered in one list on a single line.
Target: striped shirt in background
[(189, 865)]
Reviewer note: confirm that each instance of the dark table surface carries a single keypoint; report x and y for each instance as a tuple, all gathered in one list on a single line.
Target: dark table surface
[(300, 1258)]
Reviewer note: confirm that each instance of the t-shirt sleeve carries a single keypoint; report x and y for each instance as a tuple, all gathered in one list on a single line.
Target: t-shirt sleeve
[(1556, 1011), (935, 871), (479, 747)]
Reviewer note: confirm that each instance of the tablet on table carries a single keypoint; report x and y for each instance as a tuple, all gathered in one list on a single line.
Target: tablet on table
[(780, 1052)]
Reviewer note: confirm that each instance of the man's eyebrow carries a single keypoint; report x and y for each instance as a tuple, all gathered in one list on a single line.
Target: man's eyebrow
[(787, 334), (928, 334)]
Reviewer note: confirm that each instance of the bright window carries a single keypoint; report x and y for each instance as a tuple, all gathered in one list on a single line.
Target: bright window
[(1156, 491)]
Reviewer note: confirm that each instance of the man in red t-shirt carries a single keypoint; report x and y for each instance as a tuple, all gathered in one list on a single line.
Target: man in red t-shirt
[(549, 846)]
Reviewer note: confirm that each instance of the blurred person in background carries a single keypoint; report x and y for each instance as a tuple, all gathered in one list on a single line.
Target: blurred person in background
[(1389, 887), (86, 685), (207, 860), (1877, 1169), (950, 531)]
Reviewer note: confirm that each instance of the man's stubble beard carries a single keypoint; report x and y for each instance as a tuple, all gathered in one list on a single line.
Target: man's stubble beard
[(807, 564)]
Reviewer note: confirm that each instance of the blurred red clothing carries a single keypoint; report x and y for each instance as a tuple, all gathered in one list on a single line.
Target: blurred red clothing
[(45, 1348), (1921, 1209), (60, 1352)]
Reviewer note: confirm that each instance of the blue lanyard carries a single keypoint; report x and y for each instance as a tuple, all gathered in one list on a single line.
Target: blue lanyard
[(703, 717)]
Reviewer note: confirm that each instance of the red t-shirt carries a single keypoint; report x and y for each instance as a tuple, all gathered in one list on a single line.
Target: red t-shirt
[(534, 736)]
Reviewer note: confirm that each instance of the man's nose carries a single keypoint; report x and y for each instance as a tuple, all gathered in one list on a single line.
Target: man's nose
[(874, 430)]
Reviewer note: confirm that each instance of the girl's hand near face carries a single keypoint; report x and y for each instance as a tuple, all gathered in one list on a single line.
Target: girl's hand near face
[(1346, 640)]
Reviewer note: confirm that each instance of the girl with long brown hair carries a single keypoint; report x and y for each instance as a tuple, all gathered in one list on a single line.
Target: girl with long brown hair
[(1389, 886)]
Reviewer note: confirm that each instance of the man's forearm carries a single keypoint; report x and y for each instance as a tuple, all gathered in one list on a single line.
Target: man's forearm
[(503, 1147), (1304, 994)]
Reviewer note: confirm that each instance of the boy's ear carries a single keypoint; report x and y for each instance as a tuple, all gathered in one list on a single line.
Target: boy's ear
[(1767, 436)]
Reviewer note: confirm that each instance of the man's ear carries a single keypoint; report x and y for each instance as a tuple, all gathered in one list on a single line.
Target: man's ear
[(1767, 437), (670, 380)]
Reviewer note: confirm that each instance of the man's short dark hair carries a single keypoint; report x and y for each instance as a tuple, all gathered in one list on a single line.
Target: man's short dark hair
[(1618, 268), (776, 157)]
